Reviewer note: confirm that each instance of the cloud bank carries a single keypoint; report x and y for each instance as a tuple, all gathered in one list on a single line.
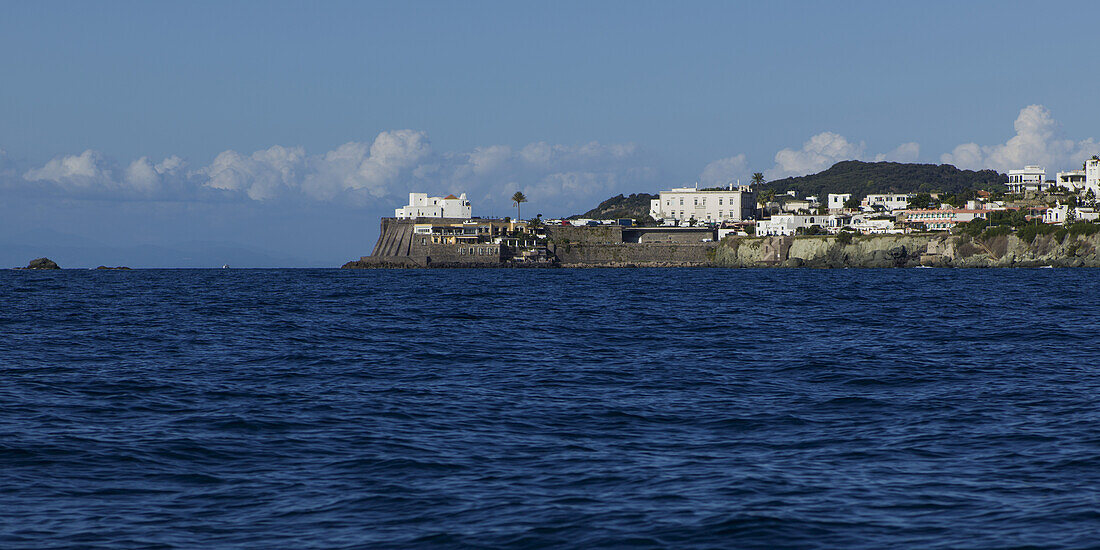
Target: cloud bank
[(559, 178), (1037, 141), (385, 169), (828, 148)]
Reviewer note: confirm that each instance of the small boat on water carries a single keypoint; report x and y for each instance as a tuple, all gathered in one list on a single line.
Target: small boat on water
[(225, 266)]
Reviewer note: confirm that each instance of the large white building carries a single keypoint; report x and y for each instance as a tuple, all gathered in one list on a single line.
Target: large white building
[(422, 206), (1031, 178), (886, 201), (687, 203), (942, 219), (1092, 176), (1074, 180), (789, 224)]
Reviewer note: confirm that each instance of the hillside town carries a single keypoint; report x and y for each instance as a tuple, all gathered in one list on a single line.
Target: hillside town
[(443, 230)]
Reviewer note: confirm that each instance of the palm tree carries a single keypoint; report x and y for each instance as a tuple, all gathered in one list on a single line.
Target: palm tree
[(757, 178), (518, 199)]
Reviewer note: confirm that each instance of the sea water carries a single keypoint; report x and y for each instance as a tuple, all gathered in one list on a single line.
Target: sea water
[(526, 408)]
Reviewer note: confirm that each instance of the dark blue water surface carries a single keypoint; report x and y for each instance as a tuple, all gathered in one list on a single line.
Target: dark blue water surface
[(525, 408)]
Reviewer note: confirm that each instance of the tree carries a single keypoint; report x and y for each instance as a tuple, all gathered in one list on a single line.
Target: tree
[(518, 199), (852, 203), (758, 178), (921, 201)]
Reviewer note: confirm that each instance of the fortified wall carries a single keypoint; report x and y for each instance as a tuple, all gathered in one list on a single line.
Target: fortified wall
[(636, 255)]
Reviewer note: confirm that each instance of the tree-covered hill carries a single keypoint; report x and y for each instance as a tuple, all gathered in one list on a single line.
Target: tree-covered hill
[(862, 178), (851, 176), (634, 206)]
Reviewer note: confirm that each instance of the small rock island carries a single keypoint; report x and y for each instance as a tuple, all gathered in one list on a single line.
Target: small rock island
[(41, 263)]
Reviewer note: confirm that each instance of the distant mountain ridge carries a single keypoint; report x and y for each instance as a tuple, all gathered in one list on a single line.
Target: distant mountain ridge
[(862, 178)]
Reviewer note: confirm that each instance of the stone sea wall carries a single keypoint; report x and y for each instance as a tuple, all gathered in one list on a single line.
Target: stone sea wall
[(636, 254)]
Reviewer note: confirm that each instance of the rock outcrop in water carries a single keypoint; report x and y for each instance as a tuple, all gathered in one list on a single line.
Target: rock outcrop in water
[(41, 263)]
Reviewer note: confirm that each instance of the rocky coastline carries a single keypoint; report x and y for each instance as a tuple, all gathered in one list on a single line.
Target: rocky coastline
[(845, 251)]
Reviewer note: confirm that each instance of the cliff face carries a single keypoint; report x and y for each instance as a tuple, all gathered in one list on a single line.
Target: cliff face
[(909, 251)]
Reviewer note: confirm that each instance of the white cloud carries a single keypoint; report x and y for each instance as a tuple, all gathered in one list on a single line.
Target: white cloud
[(376, 169), (723, 171), (558, 179), (91, 173), (85, 170), (820, 152), (1037, 141), (563, 178), (262, 175), (145, 176), (906, 152)]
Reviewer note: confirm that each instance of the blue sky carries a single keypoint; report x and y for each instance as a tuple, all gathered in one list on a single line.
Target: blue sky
[(288, 128)]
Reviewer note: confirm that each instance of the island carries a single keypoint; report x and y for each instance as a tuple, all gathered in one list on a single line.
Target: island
[(927, 216)]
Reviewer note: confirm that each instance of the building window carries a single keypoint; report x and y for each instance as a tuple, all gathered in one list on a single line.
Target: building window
[(719, 201), (681, 201)]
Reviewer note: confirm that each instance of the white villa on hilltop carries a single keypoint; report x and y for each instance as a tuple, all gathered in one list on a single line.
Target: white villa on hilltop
[(1031, 178), (682, 204), (422, 206)]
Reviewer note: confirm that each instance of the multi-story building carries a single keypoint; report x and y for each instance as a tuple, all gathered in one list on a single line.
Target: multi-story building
[(689, 203), (468, 231), (942, 219), (1092, 176), (837, 200), (1031, 178), (1074, 180), (789, 224), (886, 201), (422, 206)]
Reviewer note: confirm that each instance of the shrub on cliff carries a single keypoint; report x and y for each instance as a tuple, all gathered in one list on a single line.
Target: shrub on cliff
[(1083, 228), (996, 231), (1028, 233)]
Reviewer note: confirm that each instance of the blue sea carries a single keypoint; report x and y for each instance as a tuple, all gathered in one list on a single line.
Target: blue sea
[(641, 408)]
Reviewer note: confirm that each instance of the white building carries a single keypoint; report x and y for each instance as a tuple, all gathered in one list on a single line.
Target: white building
[(1056, 214), (1060, 214), (1092, 176), (686, 203), (887, 201), (789, 224), (422, 206), (1074, 180), (837, 200), (873, 226), (1031, 178), (941, 219)]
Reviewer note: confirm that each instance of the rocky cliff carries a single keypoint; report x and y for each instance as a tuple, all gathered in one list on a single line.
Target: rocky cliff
[(909, 251)]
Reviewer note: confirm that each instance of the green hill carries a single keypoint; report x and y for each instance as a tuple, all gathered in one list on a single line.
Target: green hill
[(634, 206), (851, 176), (862, 178)]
